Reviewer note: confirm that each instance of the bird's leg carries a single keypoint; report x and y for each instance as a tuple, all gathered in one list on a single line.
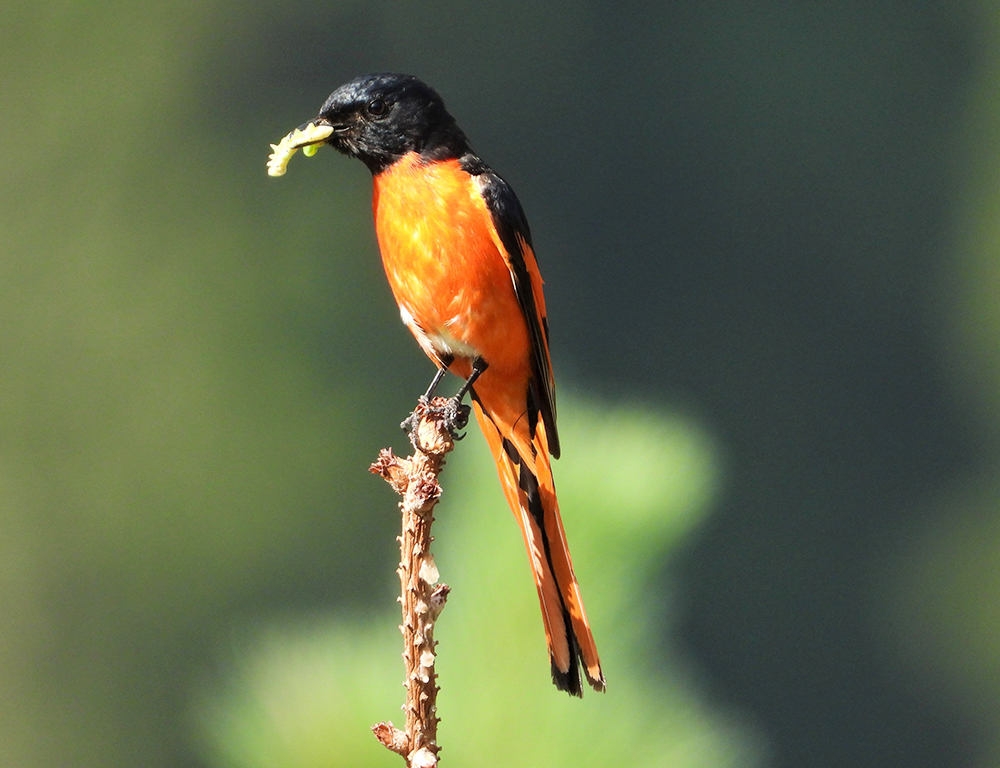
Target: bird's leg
[(409, 424), (454, 411), (457, 412), (426, 396)]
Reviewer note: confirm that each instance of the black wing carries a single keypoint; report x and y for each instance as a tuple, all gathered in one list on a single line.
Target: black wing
[(512, 226)]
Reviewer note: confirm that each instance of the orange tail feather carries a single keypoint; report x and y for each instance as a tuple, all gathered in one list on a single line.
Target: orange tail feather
[(526, 477)]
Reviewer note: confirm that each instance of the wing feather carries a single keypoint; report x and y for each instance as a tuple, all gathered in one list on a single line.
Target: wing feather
[(515, 238)]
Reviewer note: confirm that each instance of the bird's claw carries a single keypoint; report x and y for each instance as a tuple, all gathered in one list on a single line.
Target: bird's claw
[(410, 423), (456, 416)]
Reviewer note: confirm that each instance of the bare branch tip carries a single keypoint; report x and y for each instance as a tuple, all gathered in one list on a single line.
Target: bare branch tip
[(391, 737), (392, 469)]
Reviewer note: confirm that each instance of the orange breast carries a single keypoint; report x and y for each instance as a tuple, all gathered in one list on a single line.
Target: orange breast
[(446, 266)]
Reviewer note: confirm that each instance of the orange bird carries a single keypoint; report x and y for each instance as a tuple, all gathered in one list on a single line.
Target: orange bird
[(457, 251)]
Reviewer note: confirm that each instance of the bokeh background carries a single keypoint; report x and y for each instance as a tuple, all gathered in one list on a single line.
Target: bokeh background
[(771, 238)]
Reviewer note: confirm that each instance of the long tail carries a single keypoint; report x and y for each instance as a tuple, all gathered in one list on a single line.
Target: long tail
[(526, 477)]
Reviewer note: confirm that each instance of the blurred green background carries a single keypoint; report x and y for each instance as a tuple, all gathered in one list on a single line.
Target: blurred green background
[(771, 239)]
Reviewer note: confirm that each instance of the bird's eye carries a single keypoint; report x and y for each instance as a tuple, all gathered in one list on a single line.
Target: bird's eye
[(377, 107)]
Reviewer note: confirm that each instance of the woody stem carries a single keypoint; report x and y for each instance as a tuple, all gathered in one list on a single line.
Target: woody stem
[(422, 599)]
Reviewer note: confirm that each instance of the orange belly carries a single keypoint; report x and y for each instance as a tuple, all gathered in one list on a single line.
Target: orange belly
[(446, 267)]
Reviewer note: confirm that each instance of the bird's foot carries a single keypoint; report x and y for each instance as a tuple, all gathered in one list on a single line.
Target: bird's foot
[(453, 413)]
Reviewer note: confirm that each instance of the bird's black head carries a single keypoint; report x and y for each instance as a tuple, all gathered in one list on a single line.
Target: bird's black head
[(380, 118)]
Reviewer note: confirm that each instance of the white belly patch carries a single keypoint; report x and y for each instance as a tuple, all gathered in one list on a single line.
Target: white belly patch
[(439, 340)]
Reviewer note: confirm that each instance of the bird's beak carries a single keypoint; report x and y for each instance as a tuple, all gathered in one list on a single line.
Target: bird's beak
[(308, 137)]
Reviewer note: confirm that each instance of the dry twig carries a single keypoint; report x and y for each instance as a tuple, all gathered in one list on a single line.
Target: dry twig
[(422, 599)]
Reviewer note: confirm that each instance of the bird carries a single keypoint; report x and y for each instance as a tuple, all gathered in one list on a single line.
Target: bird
[(457, 252)]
